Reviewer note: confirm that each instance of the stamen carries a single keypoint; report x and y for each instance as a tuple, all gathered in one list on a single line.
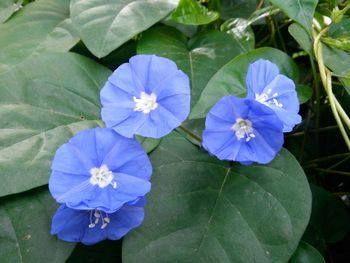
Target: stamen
[(146, 103), (102, 177), (243, 129), (98, 214), (268, 100)]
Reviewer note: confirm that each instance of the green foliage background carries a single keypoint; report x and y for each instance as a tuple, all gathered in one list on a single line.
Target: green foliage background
[(55, 56)]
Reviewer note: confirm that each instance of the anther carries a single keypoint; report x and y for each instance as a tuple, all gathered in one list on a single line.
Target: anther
[(102, 177), (146, 103), (243, 129)]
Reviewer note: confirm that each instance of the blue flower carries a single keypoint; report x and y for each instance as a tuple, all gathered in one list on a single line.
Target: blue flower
[(148, 96), (92, 226), (100, 169), (242, 130), (276, 91)]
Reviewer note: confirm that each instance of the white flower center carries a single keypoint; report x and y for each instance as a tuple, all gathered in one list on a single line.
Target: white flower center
[(146, 103), (95, 216), (102, 177), (243, 129), (268, 99)]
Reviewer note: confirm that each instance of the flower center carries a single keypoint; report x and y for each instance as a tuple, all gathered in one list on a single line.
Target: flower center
[(243, 129), (146, 103), (268, 99), (102, 177), (95, 216)]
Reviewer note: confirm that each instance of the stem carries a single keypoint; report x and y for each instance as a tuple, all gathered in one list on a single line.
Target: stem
[(195, 138), (333, 171), (339, 163), (326, 78), (318, 100), (296, 134), (328, 158)]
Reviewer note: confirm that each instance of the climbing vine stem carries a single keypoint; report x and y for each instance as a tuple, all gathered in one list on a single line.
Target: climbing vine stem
[(326, 77)]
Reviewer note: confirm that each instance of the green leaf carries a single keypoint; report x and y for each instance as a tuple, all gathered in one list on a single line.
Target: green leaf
[(240, 29), (199, 58), (329, 222), (230, 79), (339, 35), (302, 37), (191, 12), (8, 7), (301, 11), (25, 223), (148, 144), (306, 254), (105, 252), (107, 24), (39, 26), (304, 93), (204, 210), (44, 101), (341, 42), (339, 62), (237, 8), (340, 29)]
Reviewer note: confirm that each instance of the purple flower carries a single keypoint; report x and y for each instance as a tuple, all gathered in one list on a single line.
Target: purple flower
[(100, 169), (274, 90), (148, 96), (92, 226), (242, 130)]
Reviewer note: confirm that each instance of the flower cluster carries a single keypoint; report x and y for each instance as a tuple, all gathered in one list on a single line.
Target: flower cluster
[(251, 129), (101, 176)]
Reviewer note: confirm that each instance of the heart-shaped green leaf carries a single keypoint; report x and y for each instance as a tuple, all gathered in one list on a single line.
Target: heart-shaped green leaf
[(301, 11), (106, 24), (25, 223), (306, 254), (204, 210), (230, 79), (8, 7), (40, 26), (44, 101), (191, 12)]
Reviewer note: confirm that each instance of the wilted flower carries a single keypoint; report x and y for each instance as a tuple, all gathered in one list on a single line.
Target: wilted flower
[(274, 90), (242, 130), (92, 226), (100, 169), (148, 96)]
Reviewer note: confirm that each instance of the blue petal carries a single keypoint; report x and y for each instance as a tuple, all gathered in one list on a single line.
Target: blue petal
[(151, 74), (124, 78), (113, 96), (127, 156), (176, 83), (109, 199), (151, 70), (259, 75), (220, 140), (223, 145), (129, 126), (69, 159), (70, 225), (158, 123), (65, 187), (113, 116), (125, 219), (73, 225), (287, 94), (178, 105)]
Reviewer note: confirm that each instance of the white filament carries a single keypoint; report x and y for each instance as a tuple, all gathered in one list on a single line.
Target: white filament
[(146, 103)]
